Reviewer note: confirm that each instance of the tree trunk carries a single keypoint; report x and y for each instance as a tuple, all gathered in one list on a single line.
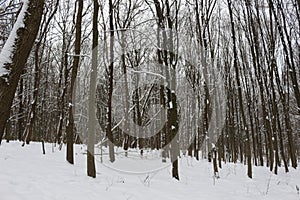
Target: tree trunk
[(37, 74), (109, 133), (21, 110), (25, 37), (239, 88), (91, 170), (75, 66)]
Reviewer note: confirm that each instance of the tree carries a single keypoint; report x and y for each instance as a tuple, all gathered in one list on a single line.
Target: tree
[(67, 32), (109, 132), (239, 88), (91, 170), (252, 45), (8, 15), (167, 58), (70, 125), (15, 53), (37, 72)]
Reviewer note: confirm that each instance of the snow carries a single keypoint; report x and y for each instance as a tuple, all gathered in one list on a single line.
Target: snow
[(3, 71), (6, 52), (147, 72), (27, 174)]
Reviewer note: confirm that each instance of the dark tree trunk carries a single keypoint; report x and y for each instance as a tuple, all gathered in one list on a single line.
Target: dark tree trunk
[(21, 109), (70, 125), (37, 74), (91, 169), (239, 88), (32, 112), (109, 132), (20, 53)]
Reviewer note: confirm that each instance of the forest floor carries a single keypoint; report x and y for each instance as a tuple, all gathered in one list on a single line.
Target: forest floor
[(27, 174)]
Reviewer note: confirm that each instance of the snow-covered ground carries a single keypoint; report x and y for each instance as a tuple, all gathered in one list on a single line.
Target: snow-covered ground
[(27, 174)]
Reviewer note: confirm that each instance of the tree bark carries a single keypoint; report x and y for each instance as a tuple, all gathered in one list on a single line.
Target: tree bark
[(75, 66), (91, 170), (109, 133), (239, 88), (22, 46)]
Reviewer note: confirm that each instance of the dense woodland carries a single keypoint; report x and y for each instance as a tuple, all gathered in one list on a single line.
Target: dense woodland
[(234, 65)]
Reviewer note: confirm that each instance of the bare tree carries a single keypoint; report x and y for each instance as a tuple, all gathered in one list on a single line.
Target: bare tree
[(37, 71), (18, 46), (70, 125), (91, 170), (109, 132), (240, 97)]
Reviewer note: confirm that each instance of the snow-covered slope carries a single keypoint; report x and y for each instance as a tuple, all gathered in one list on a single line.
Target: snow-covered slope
[(27, 174)]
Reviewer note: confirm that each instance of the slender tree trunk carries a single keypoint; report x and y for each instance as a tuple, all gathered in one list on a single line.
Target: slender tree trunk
[(280, 90), (75, 66), (21, 109), (64, 74), (110, 88), (240, 97), (126, 100), (37, 73), (91, 170), (288, 51)]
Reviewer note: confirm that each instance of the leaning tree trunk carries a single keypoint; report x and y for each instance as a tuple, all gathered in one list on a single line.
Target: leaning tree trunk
[(15, 54)]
